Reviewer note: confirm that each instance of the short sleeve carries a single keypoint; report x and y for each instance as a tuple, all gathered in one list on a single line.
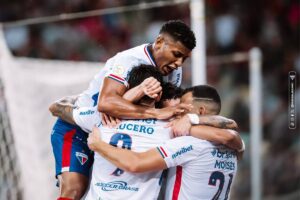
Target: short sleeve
[(86, 117), (179, 151), (120, 68)]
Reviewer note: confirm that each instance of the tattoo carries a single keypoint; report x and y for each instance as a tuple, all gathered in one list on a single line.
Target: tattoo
[(218, 122), (63, 111)]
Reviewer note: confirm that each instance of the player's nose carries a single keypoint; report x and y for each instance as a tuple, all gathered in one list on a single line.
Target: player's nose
[(179, 62)]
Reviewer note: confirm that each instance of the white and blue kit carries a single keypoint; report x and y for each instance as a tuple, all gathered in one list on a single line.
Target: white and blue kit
[(198, 169), (68, 141), (109, 182)]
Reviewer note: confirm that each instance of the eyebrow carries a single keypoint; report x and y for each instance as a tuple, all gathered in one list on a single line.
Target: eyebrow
[(179, 52)]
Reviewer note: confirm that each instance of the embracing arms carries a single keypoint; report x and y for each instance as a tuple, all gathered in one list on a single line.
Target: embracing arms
[(111, 102)]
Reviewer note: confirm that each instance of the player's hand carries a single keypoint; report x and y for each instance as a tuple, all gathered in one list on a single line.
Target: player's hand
[(109, 121), (151, 87), (181, 126), (169, 112), (94, 138)]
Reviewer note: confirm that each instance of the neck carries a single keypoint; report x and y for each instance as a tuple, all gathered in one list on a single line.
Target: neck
[(152, 52)]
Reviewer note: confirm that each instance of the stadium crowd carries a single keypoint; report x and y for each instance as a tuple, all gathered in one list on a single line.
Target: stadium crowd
[(231, 26)]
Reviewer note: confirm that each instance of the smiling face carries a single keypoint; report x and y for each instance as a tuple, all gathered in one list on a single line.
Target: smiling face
[(169, 54)]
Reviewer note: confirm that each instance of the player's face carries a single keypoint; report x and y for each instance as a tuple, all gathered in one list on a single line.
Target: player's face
[(169, 54), (187, 98)]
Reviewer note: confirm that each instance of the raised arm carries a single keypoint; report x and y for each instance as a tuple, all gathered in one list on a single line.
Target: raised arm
[(227, 137), (127, 160), (150, 87)]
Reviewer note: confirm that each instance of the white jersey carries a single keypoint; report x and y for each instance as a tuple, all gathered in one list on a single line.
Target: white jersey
[(108, 181), (199, 169), (118, 68), (86, 117)]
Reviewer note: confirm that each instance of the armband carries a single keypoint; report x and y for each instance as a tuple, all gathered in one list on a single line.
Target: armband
[(194, 119)]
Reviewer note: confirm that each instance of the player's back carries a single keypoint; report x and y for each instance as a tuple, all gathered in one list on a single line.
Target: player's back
[(109, 182), (206, 171)]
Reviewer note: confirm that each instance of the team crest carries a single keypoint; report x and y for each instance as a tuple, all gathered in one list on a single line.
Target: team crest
[(82, 158), (118, 70)]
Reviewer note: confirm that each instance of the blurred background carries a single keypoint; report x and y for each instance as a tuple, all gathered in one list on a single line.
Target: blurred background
[(231, 26)]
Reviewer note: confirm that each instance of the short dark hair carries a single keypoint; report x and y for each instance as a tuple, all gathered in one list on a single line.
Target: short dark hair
[(141, 72), (206, 92), (169, 91), (180, 32)]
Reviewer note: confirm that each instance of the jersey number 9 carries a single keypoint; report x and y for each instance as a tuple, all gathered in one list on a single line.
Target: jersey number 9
[(126, 144)]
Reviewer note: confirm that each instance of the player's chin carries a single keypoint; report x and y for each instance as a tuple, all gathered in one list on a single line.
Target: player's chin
[(166, 70)]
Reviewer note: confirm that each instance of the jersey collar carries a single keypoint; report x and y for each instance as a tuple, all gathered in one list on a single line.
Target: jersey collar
[(149, 54)]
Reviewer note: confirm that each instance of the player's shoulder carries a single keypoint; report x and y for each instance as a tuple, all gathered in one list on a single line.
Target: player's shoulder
[(128, 58), (190, 140), (135, 52)]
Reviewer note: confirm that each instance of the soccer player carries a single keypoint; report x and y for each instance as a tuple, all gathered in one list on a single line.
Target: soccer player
[(73, 158), (137, 74), (198, 169)]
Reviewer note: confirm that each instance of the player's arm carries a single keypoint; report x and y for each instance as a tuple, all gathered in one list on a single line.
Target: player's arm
[(63, 109), (180, 126), (112, 103), (217, 121), (227, 137), (150, 87), (127, 160)]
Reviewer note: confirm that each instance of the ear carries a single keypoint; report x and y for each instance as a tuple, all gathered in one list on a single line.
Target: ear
[(202, 110), (159, 41)]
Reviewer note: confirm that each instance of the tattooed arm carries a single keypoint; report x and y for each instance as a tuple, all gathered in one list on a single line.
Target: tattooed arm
[(213, 128), (179, 126), (63, 109), (217, 122)]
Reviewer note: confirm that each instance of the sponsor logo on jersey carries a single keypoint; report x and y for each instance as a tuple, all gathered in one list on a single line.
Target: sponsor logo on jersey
[(82, 158), (88, 112), (116, 185), (182, 151), (223, 153)]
